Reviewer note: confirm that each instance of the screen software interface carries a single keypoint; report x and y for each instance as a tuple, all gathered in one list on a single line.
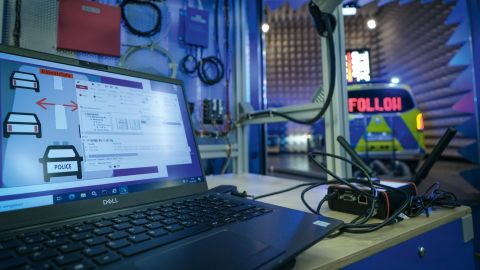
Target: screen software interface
[(71, 133)]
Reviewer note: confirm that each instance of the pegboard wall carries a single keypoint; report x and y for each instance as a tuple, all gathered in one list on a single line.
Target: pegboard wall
[(39, 19), (410, 42)]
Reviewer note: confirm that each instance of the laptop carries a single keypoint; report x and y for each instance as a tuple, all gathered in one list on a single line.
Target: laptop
[(100, 169)]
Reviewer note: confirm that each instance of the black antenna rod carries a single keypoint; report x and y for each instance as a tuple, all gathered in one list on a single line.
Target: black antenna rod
[(436, 153), (355, 157)]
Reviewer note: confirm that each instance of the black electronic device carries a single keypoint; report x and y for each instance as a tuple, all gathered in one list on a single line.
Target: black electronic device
[(344, 199), (213, 111), (224, 189)]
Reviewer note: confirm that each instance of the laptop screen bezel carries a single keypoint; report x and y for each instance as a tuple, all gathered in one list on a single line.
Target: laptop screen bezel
[(57, 212)]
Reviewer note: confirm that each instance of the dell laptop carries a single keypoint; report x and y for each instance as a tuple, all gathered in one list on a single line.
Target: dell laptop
[(100, 169)]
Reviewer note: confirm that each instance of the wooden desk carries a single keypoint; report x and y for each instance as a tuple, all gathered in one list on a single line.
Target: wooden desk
[(348, 249)]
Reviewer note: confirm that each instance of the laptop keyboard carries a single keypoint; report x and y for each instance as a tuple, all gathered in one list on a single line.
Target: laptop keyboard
[(99, 242)]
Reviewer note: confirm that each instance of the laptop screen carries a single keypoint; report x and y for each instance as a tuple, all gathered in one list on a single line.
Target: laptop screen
[(71, 133)]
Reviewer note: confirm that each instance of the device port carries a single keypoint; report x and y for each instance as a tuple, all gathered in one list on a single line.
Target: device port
[(347, 197), (362, 199)]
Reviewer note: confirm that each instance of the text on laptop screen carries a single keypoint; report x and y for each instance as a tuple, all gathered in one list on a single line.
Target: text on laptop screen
[(72, 133)]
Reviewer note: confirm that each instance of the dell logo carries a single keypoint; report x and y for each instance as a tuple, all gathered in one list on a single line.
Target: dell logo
[(110, 201)]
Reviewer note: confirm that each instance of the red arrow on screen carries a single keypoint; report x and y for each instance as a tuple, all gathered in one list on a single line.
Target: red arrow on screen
[(42, 103), (74, 105)]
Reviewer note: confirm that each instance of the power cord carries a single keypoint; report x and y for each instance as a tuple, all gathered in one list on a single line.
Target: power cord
[(158, 18), (210, 70), (154, 47), (411, 207), (282, 191), (18, 23), (189, 64), (432, 197)]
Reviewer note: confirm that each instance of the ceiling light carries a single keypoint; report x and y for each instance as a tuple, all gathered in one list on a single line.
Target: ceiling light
[(371, 24), (265, 27), (395, 80), (349, 11)]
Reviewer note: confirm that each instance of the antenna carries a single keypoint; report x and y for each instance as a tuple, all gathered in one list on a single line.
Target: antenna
[(436, 153), (355, 157)]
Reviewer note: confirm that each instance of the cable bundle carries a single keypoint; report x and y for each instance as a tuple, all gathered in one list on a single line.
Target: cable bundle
[(158, 19), (210, 70), (411, 207)]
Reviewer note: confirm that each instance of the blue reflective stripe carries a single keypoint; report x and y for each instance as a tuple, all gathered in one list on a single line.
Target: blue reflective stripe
[(357, 131), (403, 134)]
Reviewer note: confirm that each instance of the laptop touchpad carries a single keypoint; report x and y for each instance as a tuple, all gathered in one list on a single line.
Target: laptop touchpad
[(224, 250)]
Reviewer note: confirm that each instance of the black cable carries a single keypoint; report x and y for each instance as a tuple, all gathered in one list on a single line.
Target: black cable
[(373, 197), (302, 196), (331, 52), (217, 38), (346, 182), (325, 198), (210, 70), (229, 156), (158, 22), (189, 64), (432, 197), (364, 228), (282, 191), (359, 226), (18, 23)]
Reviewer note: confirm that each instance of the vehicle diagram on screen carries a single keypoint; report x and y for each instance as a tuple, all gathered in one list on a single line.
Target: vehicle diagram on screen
[(22, 124), (61, 160), (24, 80)]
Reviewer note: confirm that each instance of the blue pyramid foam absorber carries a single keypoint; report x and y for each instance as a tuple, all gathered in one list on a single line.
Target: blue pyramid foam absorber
[(404, 2), (458, 13), (461, 34), (296, 4), (274, 4), (469, 128), (470, 152), (464, 81), (463, 57), (364, 2), (472, 177), (466, 104), (384, 2)]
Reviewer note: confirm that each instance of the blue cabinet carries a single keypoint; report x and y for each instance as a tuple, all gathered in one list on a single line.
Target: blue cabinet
[(440, 248)]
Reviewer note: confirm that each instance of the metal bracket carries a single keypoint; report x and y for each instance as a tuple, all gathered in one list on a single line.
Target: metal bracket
[(217, 151), (467, 228), (328, 5), (304, 111), (245, 108)]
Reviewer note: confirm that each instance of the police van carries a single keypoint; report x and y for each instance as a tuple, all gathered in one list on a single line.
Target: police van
[(385, 123), (61, 160)]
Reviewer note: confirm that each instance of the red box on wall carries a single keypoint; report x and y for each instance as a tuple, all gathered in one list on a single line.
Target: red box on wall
[(89, 27)]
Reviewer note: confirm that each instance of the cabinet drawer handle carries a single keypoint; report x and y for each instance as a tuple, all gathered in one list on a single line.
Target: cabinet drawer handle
[(421, 251)]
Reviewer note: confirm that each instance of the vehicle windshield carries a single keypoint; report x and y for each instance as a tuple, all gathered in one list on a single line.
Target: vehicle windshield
[(22, 118), (61, 153), (23, 76), (390, 100)]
